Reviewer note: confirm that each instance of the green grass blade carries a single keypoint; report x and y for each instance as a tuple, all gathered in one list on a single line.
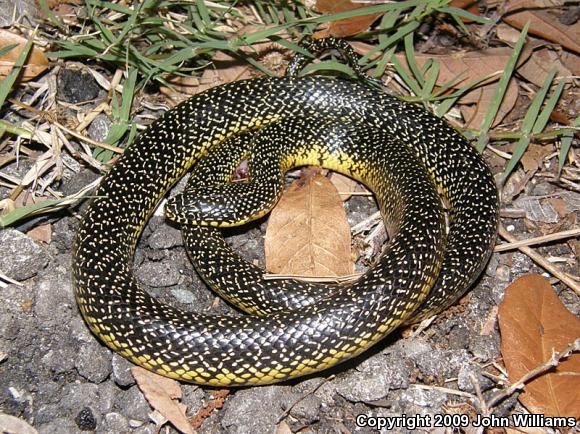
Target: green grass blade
[(543, 118), (456, 12), (411, 60), (8, 82), (7, 49), (566, 143), (528, 124), (501, 89)]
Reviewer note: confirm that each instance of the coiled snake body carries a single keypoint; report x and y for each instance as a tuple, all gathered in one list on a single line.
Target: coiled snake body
[(327, 329)]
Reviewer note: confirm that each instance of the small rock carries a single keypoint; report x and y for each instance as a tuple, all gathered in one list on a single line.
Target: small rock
[(165, 237), (192, 397), (59, 425), (184, 295), (306, 409), (254, 410), (20, 257), (423, 398), (85, 420), (78, 181), (76, 86), (99, 128), (441, 363), (64, 231), (55, 302), (122, 371), (94, 362), (484, 347), (464, 378), (374, 378), (159, 274), (115, 423), (458, 337), (132, 404)]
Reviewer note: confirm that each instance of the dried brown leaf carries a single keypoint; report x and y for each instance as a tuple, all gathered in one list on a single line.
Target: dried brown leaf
[(344, 185), (41, 233), (474, 65), (308, 232), (36, 63), (283, 428), (507, 34), (542, 23), (533, 324), (347, 26), (13, 425), (481, 98), (537, 68), (571, 62), (469, 5), (163, 393), (535, 154)]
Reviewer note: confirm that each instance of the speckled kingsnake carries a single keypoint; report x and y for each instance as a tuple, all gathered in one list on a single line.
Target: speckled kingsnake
[(256, 350)]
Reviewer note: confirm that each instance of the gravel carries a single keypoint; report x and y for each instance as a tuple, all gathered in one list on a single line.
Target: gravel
[(60, 378)]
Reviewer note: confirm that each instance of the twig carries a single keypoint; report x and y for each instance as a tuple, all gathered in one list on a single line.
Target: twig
[(540, 260), (318, 386), (444, 390), (539, 370), (366, 223), (482, 404), (9, 280), (73, 133), (571, 233)]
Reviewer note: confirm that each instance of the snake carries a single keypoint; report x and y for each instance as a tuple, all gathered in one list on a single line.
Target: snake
[(413, 277)]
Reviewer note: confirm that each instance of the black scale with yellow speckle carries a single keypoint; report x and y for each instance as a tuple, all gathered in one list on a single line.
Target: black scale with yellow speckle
[(398, 149)]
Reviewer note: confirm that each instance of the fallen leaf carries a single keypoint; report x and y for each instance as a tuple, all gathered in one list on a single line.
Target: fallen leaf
[(344, 185), (534, 323), (534, 156), (571, 62), (542, 23), (474, 114), (226, 68), (37, 62), (538, 66), (283, 428), (41, 233), (163, 393), (474, 65), (469, 5), (346, 26), (13, 425), (507, 34), (308, 233)]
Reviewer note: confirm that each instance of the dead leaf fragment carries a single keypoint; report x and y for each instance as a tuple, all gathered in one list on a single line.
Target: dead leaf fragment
[(163, 393), (474, 65), (308, 233), (346, 26), (542, 24), (13, 425), (537, 68), (533, 324), (471, 6), (344, 185), (37, 62), (41, 233)]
